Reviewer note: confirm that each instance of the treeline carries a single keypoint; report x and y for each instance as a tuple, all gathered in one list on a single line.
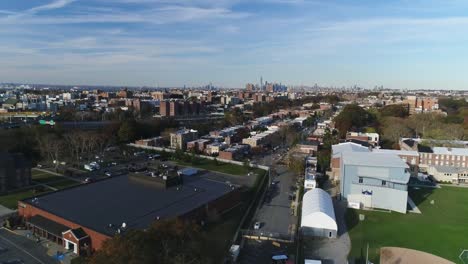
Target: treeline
[(166, 241), (393, 122), (43, 143)]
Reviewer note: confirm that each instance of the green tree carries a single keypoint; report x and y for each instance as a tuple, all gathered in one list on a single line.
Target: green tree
[(166, 241), (352, 116), (297, 165), (127, 131), (396, 110)]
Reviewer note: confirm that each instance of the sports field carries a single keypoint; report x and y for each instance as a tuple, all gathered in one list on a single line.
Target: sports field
[(441, 229)]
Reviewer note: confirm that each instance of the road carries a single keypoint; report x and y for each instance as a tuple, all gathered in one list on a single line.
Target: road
[(274, 213), (22, 250)]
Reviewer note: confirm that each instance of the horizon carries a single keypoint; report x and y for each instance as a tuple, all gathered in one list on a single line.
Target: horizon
[(398, 44)]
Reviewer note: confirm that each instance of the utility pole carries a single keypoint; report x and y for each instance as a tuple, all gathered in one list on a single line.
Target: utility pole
[(367, 254)]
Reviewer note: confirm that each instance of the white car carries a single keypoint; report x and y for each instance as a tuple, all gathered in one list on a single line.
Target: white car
[(257, 225)]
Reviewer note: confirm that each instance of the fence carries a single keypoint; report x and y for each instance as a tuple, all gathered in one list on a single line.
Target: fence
[(272, 236)]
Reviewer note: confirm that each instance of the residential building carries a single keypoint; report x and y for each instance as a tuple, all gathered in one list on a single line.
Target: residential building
[(198, 145), (263, 138), (371, 138), (236, 152), (153, 142), (180, 138), (214, 148)]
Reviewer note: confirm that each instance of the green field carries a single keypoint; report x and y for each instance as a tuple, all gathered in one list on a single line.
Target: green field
[(441, 229), (11, 200), (220, 167), (63, 184), (44, 177)]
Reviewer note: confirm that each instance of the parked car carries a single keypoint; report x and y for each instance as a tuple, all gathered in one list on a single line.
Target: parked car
[(89, 180), (257, 225)]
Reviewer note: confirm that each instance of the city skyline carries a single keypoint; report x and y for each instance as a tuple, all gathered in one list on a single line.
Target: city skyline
[(397, 44)]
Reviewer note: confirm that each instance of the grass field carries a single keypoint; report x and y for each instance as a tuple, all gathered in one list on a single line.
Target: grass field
[(220, 167), (441, 229), (11, 200), (44, 177), (63, 184)]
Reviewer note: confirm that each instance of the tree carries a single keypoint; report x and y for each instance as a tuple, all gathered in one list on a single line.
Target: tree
[(396, 110), (352, 116), (394, 129), (166, 241), (297, 165), (234, 117), (51, 146), (127, 131)]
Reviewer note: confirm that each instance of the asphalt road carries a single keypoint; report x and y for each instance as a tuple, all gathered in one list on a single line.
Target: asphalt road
[(22, 250), (275, 213)]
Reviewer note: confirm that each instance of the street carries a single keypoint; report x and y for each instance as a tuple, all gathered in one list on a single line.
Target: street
[(15, 249)]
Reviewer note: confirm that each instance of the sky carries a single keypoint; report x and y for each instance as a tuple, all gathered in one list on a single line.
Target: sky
[(401, 44)]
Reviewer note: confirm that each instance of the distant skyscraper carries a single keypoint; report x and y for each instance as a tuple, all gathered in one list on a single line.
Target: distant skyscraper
[(261, 82)]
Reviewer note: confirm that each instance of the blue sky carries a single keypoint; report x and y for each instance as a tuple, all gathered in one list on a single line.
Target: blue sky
[(396, 43)]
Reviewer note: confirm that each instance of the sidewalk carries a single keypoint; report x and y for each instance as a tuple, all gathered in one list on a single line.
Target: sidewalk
[(414, 208), (49, 247)]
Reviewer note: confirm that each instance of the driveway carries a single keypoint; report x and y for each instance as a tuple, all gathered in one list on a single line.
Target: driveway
[(330, 251)]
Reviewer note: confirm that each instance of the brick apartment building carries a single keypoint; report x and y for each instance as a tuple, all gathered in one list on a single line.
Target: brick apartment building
[(180, 108)]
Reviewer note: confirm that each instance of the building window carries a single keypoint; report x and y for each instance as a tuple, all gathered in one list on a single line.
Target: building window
[(384, 183), (361, 180)]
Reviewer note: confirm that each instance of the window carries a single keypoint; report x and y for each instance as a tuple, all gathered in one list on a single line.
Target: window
[(384, 183), (361, 180)]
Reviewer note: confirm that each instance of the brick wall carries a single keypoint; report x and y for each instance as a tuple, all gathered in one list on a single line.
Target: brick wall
[(97, 239)]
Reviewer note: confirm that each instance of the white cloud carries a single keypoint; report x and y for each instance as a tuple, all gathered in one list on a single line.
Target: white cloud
[(57, 4)]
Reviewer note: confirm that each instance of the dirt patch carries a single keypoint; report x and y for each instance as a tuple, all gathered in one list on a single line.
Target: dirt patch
[(396, 255)]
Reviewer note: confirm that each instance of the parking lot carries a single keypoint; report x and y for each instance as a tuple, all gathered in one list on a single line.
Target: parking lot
[(15, 249), (275, 213)]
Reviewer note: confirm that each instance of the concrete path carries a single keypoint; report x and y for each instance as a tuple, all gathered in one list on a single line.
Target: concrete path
[(414, 208), (48, 171)]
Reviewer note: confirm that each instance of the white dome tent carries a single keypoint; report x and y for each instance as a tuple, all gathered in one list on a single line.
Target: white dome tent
[(318, 216)]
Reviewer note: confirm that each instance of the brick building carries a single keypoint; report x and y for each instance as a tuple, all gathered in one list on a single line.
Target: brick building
[(81, 218), (180, 138)]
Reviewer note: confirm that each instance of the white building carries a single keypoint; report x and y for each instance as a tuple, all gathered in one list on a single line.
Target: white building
[(318, 216), (456, 175), (374, 180)]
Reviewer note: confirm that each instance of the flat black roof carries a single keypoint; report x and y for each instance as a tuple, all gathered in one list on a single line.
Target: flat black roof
[(49, 225), (120, 200)]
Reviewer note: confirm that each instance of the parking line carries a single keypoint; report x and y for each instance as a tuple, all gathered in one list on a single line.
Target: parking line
[(22, 249)]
